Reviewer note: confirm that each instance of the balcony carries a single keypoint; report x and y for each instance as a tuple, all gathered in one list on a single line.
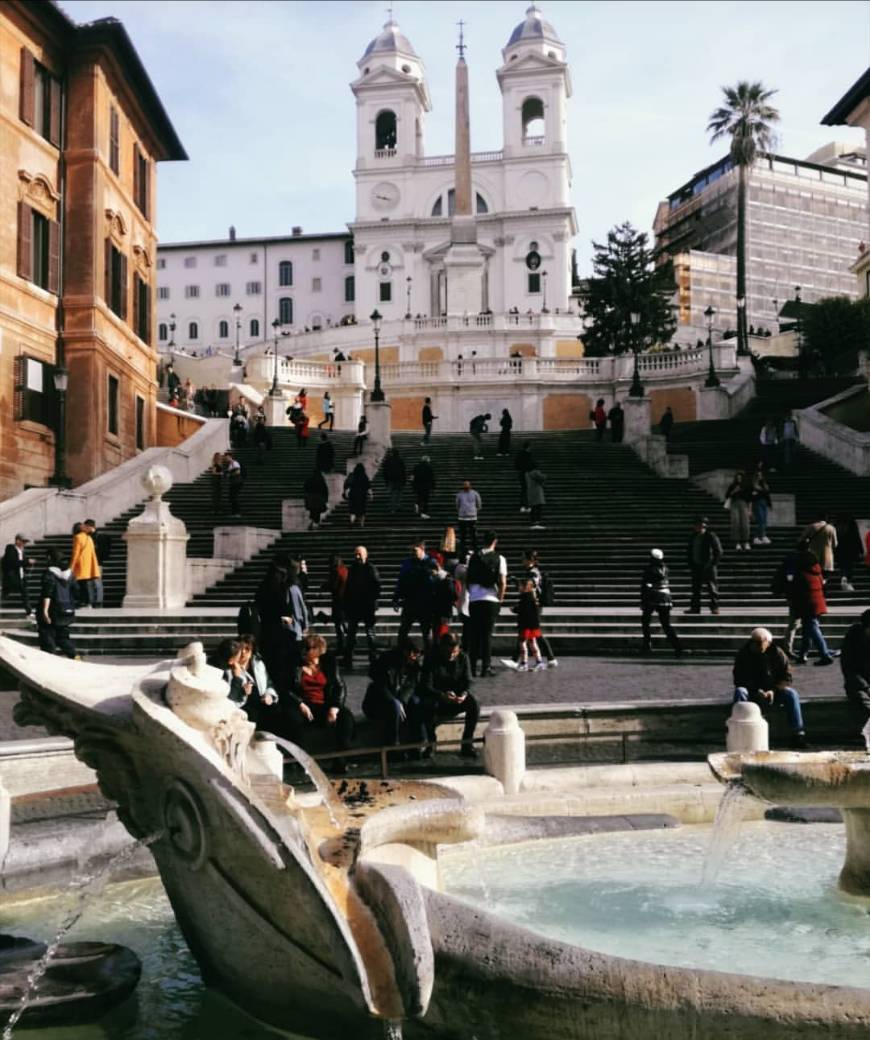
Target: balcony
[(385, 153)]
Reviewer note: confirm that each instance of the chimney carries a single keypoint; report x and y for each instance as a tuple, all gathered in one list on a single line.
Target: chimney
[(232, 233), (297, 231)]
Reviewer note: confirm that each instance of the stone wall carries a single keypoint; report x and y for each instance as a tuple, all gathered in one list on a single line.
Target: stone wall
[(567, 411), (406, 413), (681, 398)]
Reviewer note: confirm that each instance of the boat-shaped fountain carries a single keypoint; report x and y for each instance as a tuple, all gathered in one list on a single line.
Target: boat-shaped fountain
[(316, 915)]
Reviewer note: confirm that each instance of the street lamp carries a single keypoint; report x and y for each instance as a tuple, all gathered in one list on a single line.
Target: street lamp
[(636, 389), (377, 394), (742, 345), (61, 382), (237, 310), (797, 312), (712, 379), (544, 293), (408, 281), (275, 392), (171, 335)]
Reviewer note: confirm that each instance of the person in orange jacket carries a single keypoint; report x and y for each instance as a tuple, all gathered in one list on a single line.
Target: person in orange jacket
[(85, 565)]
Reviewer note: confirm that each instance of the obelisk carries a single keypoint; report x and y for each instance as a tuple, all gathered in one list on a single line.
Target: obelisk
[(464, 262)]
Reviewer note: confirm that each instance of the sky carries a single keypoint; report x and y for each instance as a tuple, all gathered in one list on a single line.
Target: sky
[(258, 93)]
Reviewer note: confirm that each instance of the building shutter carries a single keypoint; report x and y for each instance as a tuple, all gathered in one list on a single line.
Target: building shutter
[(137, 187), (136, 283), (114, 139), (144, 185), (123, 288), (27, 97), (25, 241), (54, 111), (107, 288), (53, 257), (19, 377), (145, 308)]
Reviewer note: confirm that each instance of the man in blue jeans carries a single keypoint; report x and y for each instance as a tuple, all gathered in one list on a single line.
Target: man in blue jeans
[(762, 675)]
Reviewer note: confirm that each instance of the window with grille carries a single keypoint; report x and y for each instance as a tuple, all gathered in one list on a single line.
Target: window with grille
[(112, 401), (254, 288), (223, 329), (191, 292), (254, 327), (349, 289), (163, 292), (193, 330), (386, 292), (140, 423), (222, 289), (285, 310)]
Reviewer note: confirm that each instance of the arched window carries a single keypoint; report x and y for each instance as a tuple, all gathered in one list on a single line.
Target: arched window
[(285, 310), (285, 273), (438, 209), (254, 327), (223, 329), (193, 330), (348, 251), (349, 289), (385, 131), (480, 203), (162, 331), (533, 119)]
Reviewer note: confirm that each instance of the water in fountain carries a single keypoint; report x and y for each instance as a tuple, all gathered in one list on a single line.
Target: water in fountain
[(726, 827), (86, 887), (315, 774)]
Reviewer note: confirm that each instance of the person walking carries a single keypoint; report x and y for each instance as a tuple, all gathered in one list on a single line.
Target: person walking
[(768, 438), (328, 412), (537, 498), (445, 691), (423, 483), (524, 462), (235, 480), (357, 491), (102, 551), (16, 566), (316, 497), (762, 675), (849, 549), (487, 583), (362, 435), (324, 456), (262, 438), (599, 419), (703, 553), (57, 607), (504, 438), (468, 505), (738, 501), (655, 598), (216, 480), (413, 595), (820, 537), (761, 504), (666, 423), (790, 439), (811, 605), (427, 418), (395, 475), (84, 565), (785, 584), (362, 590), (477, 428), (616, 418), (529, 628)]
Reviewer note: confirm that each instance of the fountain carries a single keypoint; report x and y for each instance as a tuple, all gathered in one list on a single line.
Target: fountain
[(336, 919)]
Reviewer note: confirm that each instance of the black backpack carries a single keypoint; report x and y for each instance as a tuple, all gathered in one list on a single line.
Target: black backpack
[(62, 607), (248, 621), (483, 570), (547, 592)]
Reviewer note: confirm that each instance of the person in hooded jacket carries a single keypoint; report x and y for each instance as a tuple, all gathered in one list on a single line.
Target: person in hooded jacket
[(809, 599), (655, 597), (56, 613)]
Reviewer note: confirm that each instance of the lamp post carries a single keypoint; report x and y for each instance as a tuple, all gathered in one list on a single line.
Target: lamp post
[(797, 312), (171, 335), (742, 345), (544, 309), (237, 310), (712, 379), (61, 382), (408, 281), (377, 393), (275, 392), (636, 389)]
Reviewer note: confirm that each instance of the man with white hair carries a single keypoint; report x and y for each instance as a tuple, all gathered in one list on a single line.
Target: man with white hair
[(655, 597), (762, 675)]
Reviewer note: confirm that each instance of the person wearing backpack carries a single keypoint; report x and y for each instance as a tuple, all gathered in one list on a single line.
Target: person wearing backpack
[(477, 428), (546, 597), (487, 584), (57, 598), (655, 597)]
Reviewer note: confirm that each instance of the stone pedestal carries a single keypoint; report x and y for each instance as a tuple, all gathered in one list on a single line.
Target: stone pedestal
[(156, 550), (379, 438), (275, 409), (464, 264), (747, 728), (294, 515), (335, 483), (504, 750), (637, 418)]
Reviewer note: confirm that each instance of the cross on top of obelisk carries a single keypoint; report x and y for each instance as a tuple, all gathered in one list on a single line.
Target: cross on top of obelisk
[(390, 17), (461, 45)]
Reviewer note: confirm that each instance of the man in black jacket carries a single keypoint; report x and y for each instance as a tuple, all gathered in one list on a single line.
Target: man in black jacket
[(423, 481), (855, 663), (655, 597), (428, 417), (762, 675), (392, 697), (524, 463), (445, 688), (703, 553), (324, 457), (414, 593), (15, 568), (361, 594)]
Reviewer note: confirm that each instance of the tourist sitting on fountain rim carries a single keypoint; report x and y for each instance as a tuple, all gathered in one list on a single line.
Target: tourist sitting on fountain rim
[(855, 663), (317, 694), (445, 689), (762, 675), (392, 696)]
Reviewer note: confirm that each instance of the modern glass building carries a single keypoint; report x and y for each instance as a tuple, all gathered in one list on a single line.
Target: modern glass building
[(806, 219)]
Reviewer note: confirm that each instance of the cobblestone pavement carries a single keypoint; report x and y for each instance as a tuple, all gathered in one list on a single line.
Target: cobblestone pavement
[(586, 680)]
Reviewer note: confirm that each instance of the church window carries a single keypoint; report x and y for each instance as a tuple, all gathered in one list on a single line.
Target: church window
[(285, 273), (534, 282), (285, 310), (386, 292), (348, 251), (480, 203), (533, 120), (385, 257), (162, 331), (224, 329), (349, 289), (254, 327), (438, 208), (193, 330), (385, 131)]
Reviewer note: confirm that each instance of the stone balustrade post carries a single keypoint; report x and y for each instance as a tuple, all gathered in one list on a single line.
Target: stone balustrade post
[(504, 750), (747, 728), (156, 550)]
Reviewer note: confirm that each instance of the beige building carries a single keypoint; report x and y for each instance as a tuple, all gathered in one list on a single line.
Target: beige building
[(81, 132)]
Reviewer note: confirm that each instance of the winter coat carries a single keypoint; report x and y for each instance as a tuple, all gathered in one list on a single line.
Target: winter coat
[(535, 481), (316, 493), (362, 589), (325, 456), (83, 562), (423, 477), (523, 461), (821, 538), (849, 548), (655, 590), (809, 593), (357, 486), (335, 692), (711, 551), (394, 470), (761, 671)]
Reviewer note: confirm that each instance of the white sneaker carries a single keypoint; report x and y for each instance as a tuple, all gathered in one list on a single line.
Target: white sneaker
[(425, 516), (541, 666), (523, 667), (552, 663), (510, 664), (747, 546), (525, 509), (758, 541), (537, 527), (846, 586), (738, 547)]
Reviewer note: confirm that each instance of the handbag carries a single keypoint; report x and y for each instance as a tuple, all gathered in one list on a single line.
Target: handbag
[(727, 503)]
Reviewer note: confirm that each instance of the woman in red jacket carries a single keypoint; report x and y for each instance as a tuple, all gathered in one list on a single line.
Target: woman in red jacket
[(810, 603)]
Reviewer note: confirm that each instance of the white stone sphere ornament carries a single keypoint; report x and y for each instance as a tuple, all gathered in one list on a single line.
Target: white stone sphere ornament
[(157, 480)]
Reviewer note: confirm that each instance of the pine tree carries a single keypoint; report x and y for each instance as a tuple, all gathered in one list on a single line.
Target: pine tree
[(626, 281)]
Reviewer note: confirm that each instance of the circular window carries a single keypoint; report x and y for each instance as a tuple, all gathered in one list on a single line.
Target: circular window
[(533, 247), (385, 257), (533, 260), (406, 68)]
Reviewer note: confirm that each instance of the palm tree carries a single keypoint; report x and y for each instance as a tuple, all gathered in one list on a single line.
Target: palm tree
[(747, 118)]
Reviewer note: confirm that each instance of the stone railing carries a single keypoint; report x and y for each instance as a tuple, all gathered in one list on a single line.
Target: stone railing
[(842, 444), (555, 320), (310, 374), (448, 160)]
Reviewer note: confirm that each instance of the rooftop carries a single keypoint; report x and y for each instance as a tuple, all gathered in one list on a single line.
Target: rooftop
[(858, 92)]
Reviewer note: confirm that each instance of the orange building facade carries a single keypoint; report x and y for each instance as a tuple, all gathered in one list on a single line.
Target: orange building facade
[(81, 132)]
